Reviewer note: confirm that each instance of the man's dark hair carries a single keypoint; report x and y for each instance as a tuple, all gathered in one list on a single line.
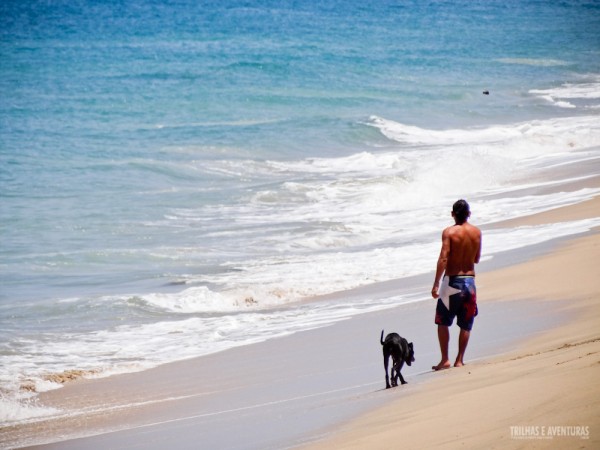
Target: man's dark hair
[(461, 211)]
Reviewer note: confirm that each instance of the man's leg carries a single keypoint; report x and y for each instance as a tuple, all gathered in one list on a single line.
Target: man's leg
[(444, 338), (463, 340)]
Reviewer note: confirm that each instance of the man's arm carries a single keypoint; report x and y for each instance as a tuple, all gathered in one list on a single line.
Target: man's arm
[(441, 263), (478, 255)]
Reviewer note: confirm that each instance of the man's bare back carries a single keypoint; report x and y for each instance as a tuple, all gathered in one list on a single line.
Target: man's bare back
[(465, 249), (461, 250)]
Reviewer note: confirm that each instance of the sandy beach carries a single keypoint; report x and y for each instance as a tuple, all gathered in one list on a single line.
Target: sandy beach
[(529, 379), (543, 394)]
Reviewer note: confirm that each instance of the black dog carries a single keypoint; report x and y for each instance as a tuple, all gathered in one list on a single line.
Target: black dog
[(401, 352)]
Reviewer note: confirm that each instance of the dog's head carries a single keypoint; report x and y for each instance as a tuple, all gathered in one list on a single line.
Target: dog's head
[(410, 358)]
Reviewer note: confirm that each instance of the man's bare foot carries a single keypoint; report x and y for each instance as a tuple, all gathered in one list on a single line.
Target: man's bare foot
[(442, 366), (459, 364)]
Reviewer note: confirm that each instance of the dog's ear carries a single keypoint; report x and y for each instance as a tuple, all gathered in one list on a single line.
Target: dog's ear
[(410, 345)]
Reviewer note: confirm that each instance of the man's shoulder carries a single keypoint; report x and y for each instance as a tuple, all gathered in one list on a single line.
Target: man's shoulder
[(475, 229), (461, 229), (448, 230)]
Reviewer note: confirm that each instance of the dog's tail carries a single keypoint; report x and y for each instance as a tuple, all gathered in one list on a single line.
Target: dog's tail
[(381, 338)]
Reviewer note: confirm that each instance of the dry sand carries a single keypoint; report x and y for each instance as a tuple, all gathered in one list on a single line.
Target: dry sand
[(545, 394)]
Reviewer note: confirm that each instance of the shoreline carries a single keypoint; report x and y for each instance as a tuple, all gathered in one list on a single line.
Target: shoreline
[(159, 399)]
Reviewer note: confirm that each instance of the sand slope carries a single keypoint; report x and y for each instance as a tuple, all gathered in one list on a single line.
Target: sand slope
[(545, 394)]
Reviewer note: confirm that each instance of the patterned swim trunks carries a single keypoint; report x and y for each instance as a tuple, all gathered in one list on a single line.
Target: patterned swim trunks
[(463, 305)]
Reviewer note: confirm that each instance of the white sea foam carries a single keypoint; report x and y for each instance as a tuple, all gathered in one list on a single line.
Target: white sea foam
[(520, 140), (193, 300), (409, 134), (569, 90), (564, 95), (23, 411), (314, 236)]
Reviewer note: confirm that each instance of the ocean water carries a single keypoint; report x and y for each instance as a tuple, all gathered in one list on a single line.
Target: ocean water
[(176, 176)]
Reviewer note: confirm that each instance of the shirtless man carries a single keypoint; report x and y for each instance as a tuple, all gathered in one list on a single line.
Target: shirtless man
[(461, 250)]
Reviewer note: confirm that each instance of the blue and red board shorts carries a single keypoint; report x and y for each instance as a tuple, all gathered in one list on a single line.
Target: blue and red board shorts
[(463, 304)]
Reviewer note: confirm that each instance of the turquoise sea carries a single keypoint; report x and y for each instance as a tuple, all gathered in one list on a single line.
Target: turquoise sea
[(173, 174)]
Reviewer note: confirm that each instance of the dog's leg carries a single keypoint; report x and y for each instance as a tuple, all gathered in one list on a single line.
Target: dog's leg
[(394, 374), (402, 380), (386, 357)]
